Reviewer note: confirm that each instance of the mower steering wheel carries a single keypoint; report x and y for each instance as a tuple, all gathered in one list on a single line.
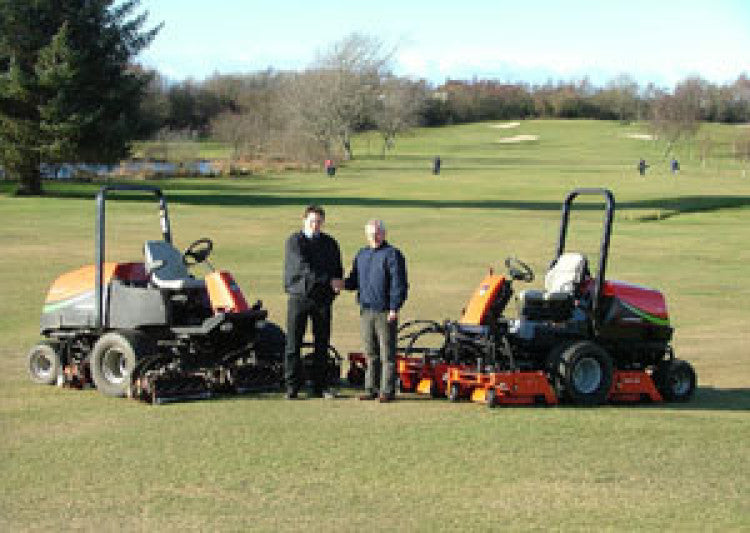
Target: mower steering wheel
[(198, 251), (519, 270)]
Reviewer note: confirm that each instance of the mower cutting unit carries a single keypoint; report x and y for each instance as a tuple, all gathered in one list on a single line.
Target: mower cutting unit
[(585, 340), (419, 369), (152, 331)]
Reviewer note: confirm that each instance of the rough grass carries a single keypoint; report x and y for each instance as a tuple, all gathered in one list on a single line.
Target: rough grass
[(78, 460)]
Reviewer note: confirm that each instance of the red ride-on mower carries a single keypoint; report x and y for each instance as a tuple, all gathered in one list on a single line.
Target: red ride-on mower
[(151, 330), (583, 339)]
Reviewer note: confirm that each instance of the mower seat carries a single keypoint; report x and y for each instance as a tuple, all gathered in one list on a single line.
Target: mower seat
[(561, 286), (167, 268)]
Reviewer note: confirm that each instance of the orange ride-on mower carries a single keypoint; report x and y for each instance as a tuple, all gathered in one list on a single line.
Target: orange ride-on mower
[(152, 331), (583, 339)]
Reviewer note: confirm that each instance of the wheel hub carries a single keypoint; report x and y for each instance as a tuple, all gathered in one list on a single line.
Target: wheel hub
[(114, 366), (40, 366), (587, 375), (680, 383)]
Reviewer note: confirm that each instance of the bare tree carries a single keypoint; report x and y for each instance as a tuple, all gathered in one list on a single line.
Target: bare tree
[(254, 115), (676, 117), (399, 104), (624, 94), (345, 84), (237, 130)]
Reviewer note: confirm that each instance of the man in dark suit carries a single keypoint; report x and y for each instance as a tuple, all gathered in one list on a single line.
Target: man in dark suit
[(312, 278)]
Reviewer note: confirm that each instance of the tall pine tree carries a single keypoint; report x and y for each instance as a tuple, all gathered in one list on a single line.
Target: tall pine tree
[(68, 88)]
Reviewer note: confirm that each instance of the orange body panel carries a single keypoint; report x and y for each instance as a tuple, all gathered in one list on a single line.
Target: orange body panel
[(522, 387), (480, 302), (512, 388), (83, 279), (224, 293)]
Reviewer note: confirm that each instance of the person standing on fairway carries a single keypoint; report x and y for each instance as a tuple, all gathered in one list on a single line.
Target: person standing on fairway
[(379, 276), (312, 278)]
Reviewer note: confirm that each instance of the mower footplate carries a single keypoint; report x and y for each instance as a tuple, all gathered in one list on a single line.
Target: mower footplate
[(633, 386)]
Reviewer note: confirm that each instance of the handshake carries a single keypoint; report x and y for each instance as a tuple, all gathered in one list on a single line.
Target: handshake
[(337, 284)]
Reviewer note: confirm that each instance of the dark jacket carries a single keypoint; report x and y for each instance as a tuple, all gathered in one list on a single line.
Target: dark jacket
[(379, 276), (310, 265)]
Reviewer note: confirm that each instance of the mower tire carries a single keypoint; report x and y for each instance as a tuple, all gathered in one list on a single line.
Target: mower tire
[(553, 366), (44, 363), (113, 358), (675, 380), (270, 342), (587, 372)]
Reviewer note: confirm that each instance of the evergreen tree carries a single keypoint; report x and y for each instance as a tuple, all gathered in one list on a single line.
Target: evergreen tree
[(68, 88)]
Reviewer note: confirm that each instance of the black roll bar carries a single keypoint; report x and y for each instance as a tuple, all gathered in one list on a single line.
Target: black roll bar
[(609, 212), (100, 233)]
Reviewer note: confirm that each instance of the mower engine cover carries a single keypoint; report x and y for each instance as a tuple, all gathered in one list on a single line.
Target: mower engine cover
[(70, 301), (632, 311)]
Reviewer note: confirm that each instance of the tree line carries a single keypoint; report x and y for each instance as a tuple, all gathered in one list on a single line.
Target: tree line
[(278, 113), (71, 91)]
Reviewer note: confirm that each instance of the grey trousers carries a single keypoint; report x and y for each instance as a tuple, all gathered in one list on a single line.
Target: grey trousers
[(379, 342)]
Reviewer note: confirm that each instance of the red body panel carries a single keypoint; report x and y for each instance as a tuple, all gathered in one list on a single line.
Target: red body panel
[(633, 386), (648, 300)]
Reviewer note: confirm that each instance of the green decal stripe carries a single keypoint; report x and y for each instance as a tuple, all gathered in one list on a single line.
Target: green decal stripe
[(646, 316), (49, 308), (54, 306)]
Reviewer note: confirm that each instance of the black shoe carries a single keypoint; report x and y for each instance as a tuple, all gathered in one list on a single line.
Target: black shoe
[(291, 394), (385, 398)]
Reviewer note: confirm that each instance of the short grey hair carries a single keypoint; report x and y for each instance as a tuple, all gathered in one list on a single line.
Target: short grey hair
[(375, 224)]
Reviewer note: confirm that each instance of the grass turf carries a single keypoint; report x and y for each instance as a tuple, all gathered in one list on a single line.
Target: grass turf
[(75, 459)]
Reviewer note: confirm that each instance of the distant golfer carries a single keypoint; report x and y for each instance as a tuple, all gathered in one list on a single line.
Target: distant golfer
[(379, 276), (436, 165), (330, 168), (674, 166), (642, 166)]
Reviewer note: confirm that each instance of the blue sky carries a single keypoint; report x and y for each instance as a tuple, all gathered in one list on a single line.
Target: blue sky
[(523, 40)]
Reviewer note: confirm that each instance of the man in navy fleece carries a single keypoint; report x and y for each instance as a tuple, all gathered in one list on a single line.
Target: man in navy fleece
[(379, 277)]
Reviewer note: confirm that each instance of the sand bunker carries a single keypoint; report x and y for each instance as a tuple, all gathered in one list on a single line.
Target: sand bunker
[(506, 126), (641, 136), (518, 139)]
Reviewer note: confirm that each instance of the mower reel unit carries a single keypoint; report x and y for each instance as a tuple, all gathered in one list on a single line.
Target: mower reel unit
[(152, 331), (582, 339)]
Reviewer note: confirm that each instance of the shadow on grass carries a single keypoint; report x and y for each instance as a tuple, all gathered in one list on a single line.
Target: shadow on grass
[(260, 193), (714, 399), (704, 399)]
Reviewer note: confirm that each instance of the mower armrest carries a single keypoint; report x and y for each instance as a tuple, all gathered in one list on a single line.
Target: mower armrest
[(558, 296), (530, 295)]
